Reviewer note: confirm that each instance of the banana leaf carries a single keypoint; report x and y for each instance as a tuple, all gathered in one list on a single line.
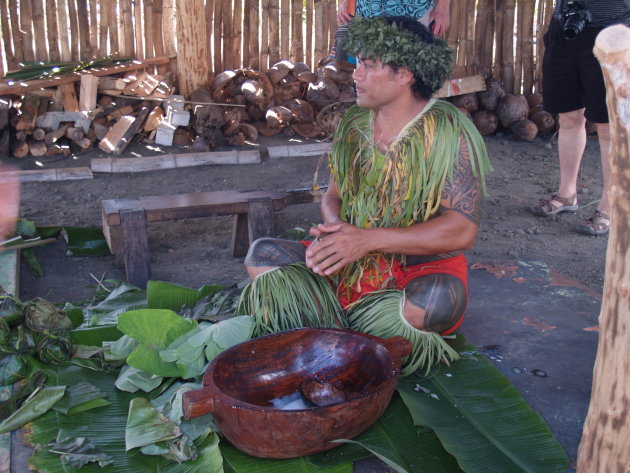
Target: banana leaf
[(40, 402), (81, 397), (395, 440), (239, 462), (80, 452), (163, 295), (132, 380), (481, 419), (123, 298), (21, 390), (94, 336), (13, 367), (145, 425), (83, 241), (106, 428)]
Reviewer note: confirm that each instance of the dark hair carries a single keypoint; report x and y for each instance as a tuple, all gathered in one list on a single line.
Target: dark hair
[(419, 88)]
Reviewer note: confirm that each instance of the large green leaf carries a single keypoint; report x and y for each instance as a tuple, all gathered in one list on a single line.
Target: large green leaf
[(395, 440), (239, 462), (155, 329), (481, 418), (85, 241), (35, 406), (105, 427), (124, 297)]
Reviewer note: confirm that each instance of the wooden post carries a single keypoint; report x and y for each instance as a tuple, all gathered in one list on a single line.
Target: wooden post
[(136, 244), (53, 32), (605, 444), (192, 64)]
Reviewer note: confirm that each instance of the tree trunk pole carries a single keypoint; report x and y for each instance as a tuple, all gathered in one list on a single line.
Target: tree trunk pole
[(605, 444)]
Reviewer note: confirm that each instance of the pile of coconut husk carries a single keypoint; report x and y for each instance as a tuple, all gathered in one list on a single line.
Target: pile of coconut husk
[(495, 110)]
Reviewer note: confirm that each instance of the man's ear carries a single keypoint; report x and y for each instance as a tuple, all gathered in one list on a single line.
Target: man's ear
[(405, 76)]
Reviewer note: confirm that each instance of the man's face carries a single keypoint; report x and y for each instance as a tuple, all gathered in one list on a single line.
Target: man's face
[(375, 82)]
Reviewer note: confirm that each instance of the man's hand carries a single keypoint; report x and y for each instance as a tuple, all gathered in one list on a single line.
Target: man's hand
[(337, 245), (440, 18), (343, 17)]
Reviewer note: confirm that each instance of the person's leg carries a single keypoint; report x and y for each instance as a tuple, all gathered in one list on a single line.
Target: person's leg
[(435, 302), (268, 253), (571, 144)]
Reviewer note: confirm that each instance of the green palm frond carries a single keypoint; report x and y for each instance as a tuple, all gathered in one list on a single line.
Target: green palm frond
[(381, 314), (290, 297)]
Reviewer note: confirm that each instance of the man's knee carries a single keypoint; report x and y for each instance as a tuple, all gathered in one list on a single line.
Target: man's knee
[(274, 252), (572, 120), (437, 302)]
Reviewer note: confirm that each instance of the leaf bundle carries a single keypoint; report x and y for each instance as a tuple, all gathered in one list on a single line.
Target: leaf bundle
[(290, 297), (381, 314)]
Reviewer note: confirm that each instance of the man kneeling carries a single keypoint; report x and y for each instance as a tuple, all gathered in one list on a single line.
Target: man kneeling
[(402, 204)]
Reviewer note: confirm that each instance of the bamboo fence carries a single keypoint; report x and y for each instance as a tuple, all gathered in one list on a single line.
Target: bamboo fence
[(495, 38)]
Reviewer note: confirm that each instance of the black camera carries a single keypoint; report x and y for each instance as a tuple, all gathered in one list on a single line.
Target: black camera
[(576, 17)]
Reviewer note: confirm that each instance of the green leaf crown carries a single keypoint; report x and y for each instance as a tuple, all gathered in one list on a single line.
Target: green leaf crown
[(375, 38)]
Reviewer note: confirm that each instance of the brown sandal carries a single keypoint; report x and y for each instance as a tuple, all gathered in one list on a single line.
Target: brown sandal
[(598, 224), (555, 205)]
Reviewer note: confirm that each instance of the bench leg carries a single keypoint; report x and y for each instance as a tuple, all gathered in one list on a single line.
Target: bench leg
[(258, 222), (136, 246), (240, 236)]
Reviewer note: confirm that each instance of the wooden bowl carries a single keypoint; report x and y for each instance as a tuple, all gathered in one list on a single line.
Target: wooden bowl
[(342, 381)]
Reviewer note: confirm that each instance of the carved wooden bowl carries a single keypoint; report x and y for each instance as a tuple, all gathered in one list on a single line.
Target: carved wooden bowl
[(289, 394)]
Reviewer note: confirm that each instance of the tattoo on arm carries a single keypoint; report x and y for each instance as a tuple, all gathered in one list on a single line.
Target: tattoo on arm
[(462, 190)]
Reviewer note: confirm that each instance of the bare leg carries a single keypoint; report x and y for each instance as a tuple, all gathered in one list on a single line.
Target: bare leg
[(571, 143)]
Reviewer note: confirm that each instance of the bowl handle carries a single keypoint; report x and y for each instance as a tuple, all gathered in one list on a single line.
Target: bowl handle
[(398, 346), (197, 403)]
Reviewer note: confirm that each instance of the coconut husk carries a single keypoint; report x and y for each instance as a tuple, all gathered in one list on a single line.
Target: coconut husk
[(534, 99), (347, 92), (544, 121), (232, 121), (524, 129), (277, 117), (489, 98), (486, 121), (468, 102), (183, 136), (249, 131), (287, 89), (511, 108), (465, 112), (205, 116), (308, 77), (266, 130), (263, 80), (302, 111), (307, 130), (300, 67), (284, 64), (534, 109), (276, 75), (222, 80), (253, 91)]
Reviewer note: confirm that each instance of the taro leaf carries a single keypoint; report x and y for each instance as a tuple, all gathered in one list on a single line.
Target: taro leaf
[(163, 295), (180, 449), (155, 329), (240, 462), (189, 358), (481, 418), (227, 333), (38, 403), (395, 440), (13, 367), (86, 242), (145, 425), (120, 349), (80, 452), (80, 397), (132, 380), (123, 298)]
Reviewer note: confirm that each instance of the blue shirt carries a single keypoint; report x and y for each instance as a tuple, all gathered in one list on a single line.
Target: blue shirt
[(413, 8)]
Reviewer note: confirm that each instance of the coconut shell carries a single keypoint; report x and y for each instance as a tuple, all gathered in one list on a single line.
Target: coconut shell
[(307, 76), (534, 99), (524, 129), (468, 102), (253, 91), (489, 98), (300, 67), (465, 112), (307, 130), (534, 109), (511, 108), (284, 64), (265, 130), (486, 121), (249, 131), (222, 80), (277, 117), (302, 111), (544, 121), (276, 74)]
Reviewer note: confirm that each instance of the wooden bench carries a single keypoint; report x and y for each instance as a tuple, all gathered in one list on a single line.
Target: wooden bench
[(125, 220)]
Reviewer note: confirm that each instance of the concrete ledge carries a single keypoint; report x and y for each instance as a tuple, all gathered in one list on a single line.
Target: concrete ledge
[(298, 150)]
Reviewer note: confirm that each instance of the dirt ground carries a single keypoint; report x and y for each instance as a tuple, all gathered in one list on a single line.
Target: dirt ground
[(196, 252)]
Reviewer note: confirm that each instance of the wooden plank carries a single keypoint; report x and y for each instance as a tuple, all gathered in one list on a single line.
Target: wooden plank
[(39, 29), (19, 88), (126, 17), (254, 49), (191, 45), (93, 32), (217, 32), (138, 30), (69, 97), (464, 85), (148, 28), (52, 31), (28, 112), (259, 219), (264, 35), (240, 235), (285, 16), (136, 247), (87, 92), (9, 50), (73, 18), (298, 150), (26, 30), (105, 13), (15, 33), (83, 18), (61, 174)]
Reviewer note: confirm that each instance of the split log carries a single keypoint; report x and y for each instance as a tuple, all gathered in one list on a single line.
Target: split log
[(75, 134), (52, 136), (605, 444), (111, 83), (37, 148), (119, 112), (29, 110), (134, 127), (38, 134), (21, 135), (87, 92), (69, 98), (19, 149)]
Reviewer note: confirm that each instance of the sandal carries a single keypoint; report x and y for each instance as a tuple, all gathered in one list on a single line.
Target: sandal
[(598, 224), (555, 205)]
